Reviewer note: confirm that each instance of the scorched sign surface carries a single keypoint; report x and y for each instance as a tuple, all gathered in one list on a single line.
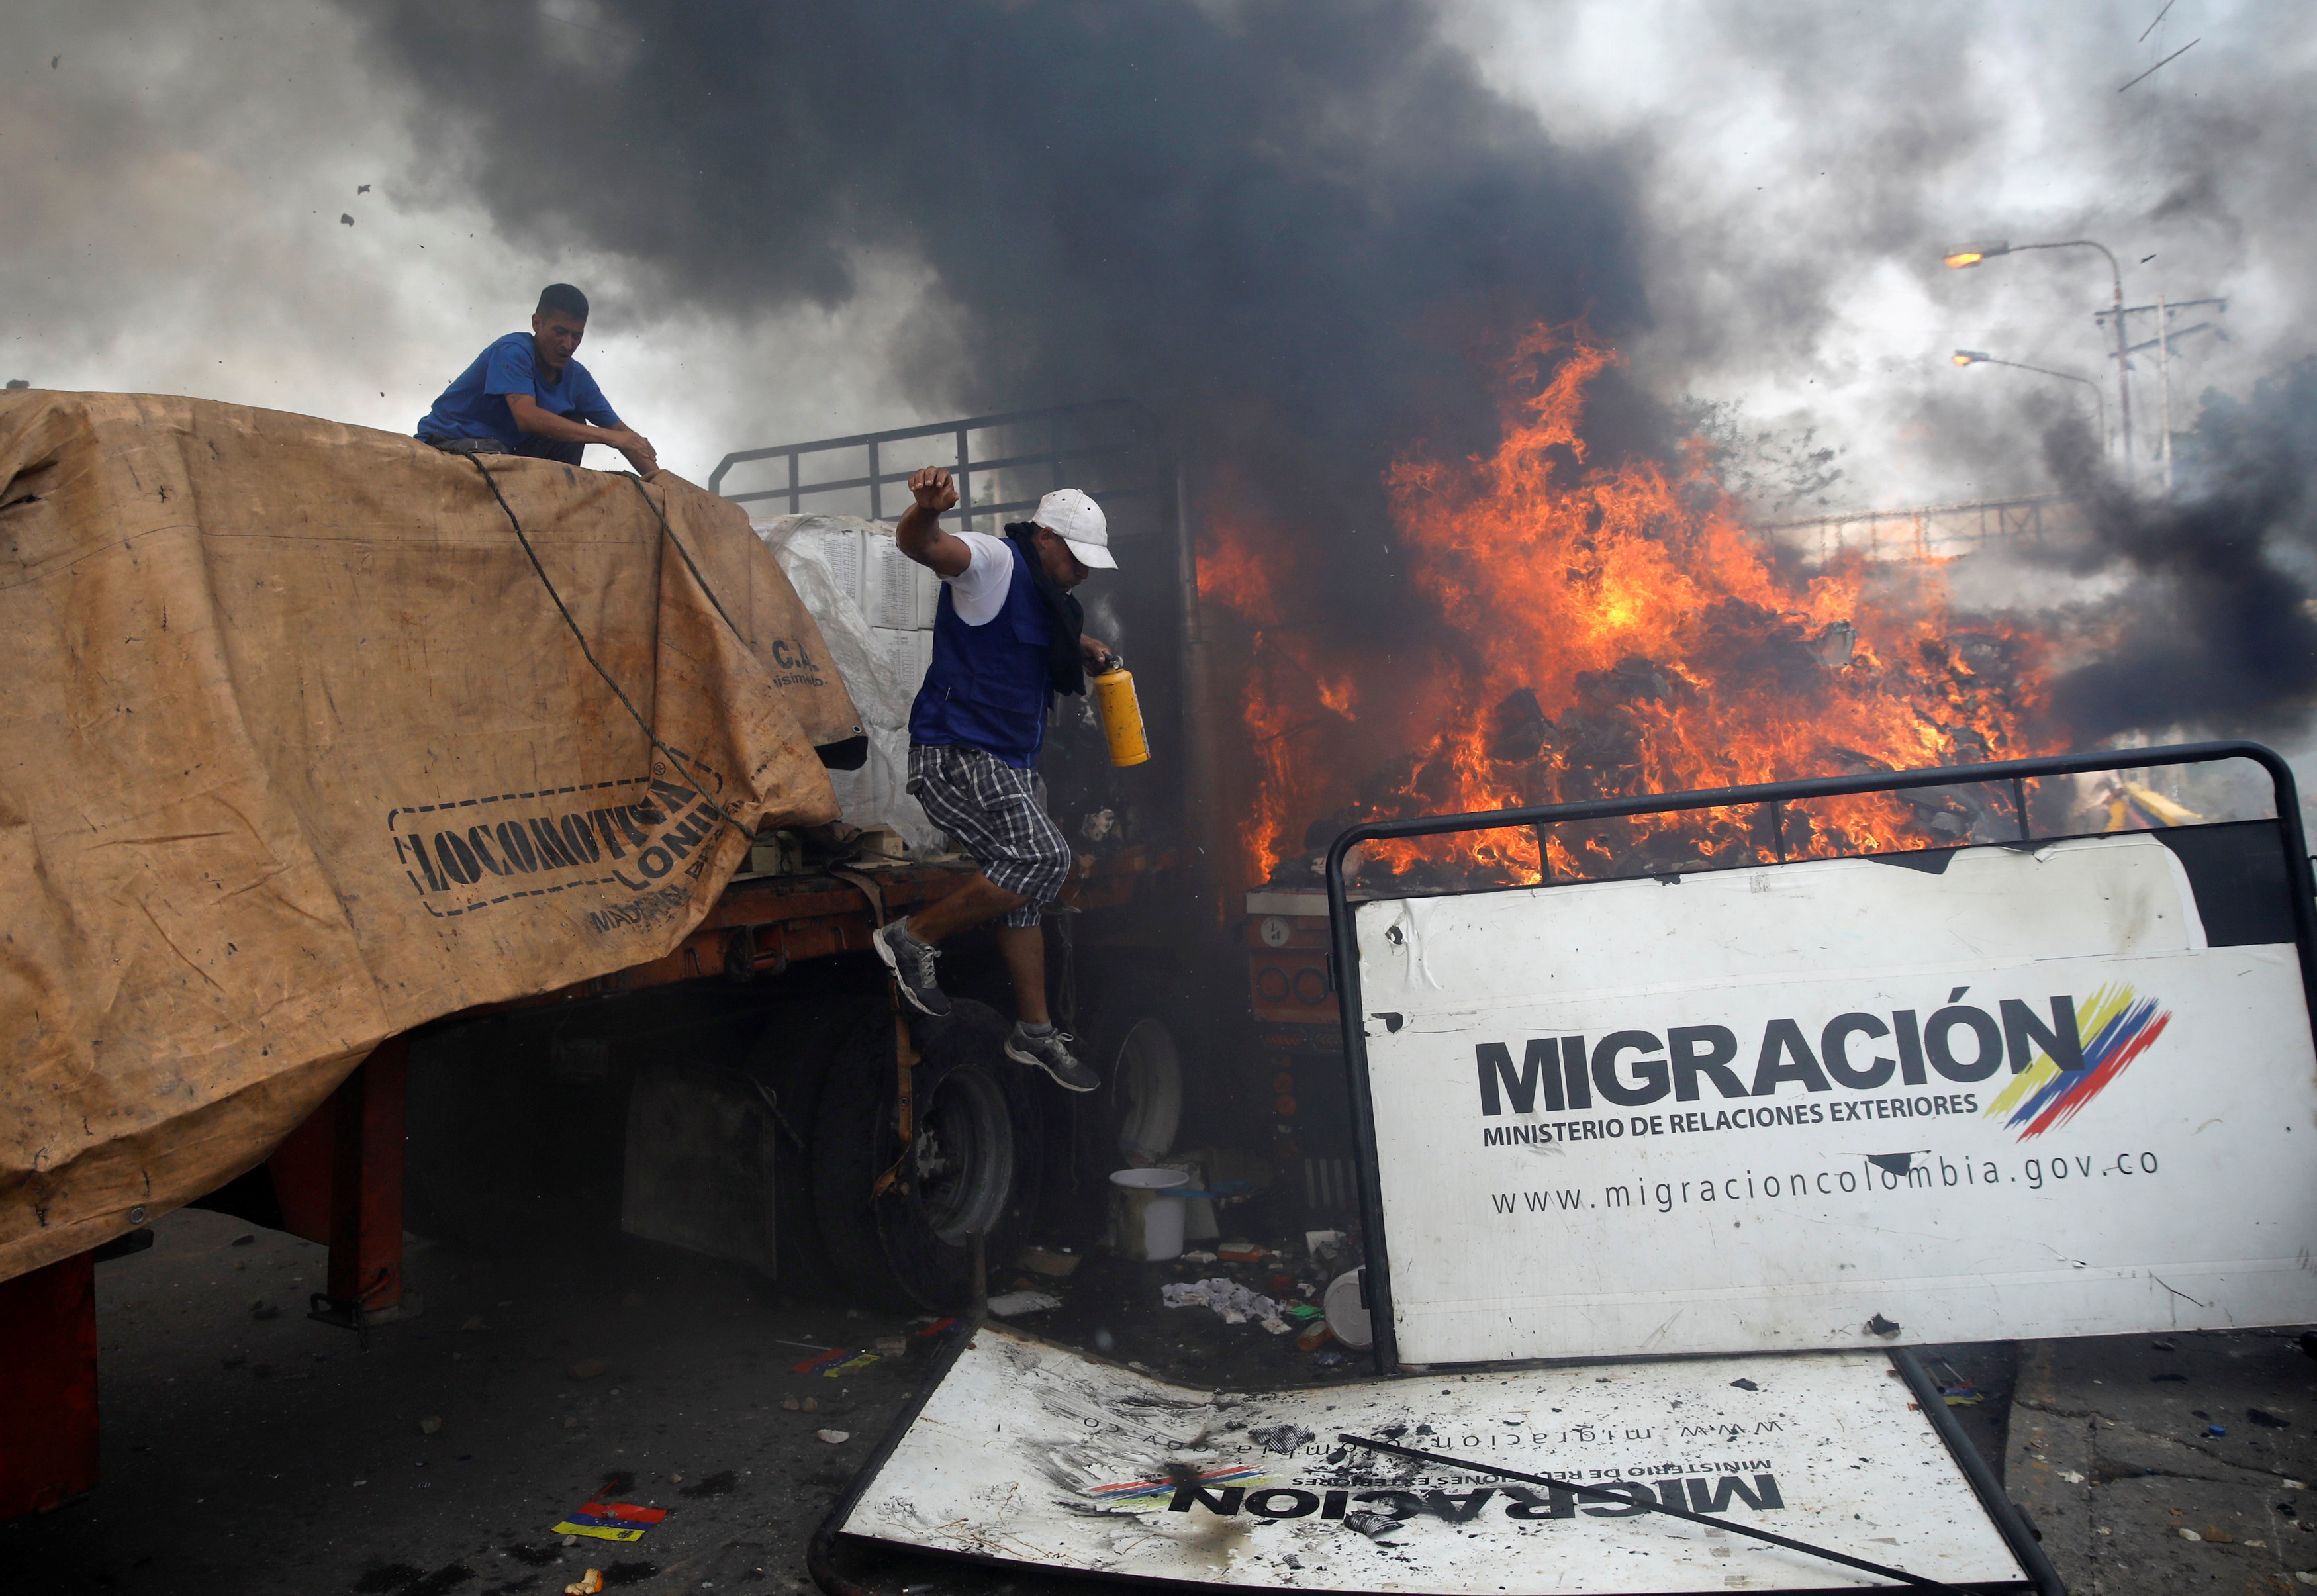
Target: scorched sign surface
[(1028, 1453), (1993, 1093)]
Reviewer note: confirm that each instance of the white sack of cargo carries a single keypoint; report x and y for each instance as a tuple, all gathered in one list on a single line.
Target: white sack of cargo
[(875, 606), (301, 751)]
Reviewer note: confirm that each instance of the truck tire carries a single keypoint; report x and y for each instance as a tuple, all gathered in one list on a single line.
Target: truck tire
[(975, 1162), (1142, 1034)]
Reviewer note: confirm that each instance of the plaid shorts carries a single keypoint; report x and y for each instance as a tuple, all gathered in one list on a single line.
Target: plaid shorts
[(999, 815)]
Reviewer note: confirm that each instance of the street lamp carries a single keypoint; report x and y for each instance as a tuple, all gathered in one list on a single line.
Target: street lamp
[(1979, 357), (1964, 255)]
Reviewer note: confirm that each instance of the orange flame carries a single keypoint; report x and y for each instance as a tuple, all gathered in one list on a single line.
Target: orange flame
[(1604, 631)]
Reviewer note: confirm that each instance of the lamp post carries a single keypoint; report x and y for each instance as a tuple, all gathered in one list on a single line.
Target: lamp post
[(1979, 357), (1970, 254)]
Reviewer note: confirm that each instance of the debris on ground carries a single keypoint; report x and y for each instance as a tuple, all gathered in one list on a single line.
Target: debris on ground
[(1239, 1251), (1234, 1302), (1023, 1302), (586, 1584), (834, 1438), (1057, 1261), (1372, 1524), (834, 1362), (611, 1521), (429, 1424)]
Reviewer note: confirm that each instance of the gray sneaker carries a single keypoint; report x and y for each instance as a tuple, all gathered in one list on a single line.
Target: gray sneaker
[(912, 965), (1051, 1053)]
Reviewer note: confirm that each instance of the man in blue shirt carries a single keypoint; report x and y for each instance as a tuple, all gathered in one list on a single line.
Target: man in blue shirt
[(525, 395)]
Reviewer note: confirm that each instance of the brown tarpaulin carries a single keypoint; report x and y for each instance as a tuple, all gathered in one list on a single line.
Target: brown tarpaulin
[(298, 754)]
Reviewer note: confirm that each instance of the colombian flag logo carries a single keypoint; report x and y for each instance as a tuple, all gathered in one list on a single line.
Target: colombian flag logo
[(2117, 1026)]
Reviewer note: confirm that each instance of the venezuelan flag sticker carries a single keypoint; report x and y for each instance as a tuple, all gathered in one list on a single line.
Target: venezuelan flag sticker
[(611, 1521)]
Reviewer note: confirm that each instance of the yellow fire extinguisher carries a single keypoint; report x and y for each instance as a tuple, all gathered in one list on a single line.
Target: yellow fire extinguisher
[(1121, 714)]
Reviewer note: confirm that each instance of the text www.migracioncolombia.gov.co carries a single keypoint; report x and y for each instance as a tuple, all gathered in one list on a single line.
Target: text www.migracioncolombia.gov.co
[(1923, 1173)]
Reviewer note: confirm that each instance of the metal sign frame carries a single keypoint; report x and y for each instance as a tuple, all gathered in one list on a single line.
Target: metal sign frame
[(1345, 942)]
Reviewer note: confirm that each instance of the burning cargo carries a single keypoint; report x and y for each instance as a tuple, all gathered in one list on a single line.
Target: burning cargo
[(1584, 629)]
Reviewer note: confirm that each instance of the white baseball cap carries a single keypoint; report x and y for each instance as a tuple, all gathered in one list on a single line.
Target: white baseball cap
[(1076, 519)]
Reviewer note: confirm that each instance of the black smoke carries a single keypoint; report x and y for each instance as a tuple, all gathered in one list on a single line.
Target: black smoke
[(2215, 630), (1305, 234)]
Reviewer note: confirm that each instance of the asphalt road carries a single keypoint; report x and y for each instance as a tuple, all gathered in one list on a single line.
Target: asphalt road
[(249, 1451), (2171, 1463)]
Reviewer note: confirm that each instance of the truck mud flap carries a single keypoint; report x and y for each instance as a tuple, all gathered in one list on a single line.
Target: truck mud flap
[(1040, 1460)]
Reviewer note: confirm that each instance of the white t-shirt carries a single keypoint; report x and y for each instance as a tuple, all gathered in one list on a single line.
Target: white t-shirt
[(978, 591)]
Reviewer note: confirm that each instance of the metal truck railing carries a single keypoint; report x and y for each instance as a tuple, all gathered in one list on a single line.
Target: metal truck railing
[(1108, 441)]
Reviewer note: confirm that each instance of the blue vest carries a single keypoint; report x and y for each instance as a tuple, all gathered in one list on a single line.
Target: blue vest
[(986, 686)]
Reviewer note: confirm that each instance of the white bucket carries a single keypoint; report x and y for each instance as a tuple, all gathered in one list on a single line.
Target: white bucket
[(1199, 1223), (1147, 1214), (1349, 1320)]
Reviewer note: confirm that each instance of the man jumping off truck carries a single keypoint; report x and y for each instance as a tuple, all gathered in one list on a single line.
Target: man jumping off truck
[(525, 395), (1007, 639)]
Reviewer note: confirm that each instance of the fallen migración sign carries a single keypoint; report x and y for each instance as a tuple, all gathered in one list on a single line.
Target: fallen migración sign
[(1024, 1453)]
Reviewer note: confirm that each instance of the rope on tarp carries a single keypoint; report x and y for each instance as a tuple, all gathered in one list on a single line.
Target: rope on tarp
[(677, 762), (661, 516)]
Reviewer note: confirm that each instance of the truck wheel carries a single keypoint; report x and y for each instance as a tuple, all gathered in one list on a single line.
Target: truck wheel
[(1142, 1029), (1146, 1086), (973, 1164)]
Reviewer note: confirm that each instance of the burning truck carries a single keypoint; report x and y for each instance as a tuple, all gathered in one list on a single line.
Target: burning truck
[(1577, 630), (1583, 631), (749, 1090)]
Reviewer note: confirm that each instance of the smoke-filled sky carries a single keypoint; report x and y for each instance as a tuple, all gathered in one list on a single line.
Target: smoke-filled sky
[(798, 220), (1306, 232), (1805, 166)]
